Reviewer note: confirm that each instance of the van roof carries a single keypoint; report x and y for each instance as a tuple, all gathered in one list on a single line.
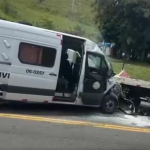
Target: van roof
[(91, 46), (33, 29)]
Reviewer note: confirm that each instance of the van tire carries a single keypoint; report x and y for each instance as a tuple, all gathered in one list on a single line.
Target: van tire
[(109, 105)]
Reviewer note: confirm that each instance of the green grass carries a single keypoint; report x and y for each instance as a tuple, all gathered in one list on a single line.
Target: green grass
[(58, 11), (135, 70)]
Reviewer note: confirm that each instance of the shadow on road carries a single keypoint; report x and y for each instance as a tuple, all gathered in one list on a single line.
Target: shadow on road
[(47, 109)]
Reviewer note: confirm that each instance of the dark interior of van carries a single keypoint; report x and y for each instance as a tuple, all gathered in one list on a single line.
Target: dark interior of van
[(70, 72)]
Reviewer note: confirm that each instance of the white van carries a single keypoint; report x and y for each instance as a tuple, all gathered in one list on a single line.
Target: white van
[(34, 67)]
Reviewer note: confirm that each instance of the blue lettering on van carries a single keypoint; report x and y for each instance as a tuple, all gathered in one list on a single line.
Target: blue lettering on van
[(4, 75)]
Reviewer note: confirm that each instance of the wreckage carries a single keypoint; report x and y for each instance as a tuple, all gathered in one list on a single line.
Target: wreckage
[(134, 92)]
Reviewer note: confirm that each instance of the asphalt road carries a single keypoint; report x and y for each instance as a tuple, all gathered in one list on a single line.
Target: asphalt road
[(53, 127)]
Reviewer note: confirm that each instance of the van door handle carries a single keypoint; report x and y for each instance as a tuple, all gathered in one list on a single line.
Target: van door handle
[(53, 74)]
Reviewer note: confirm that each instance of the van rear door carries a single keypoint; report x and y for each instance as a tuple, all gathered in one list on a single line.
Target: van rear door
[(34, 70)]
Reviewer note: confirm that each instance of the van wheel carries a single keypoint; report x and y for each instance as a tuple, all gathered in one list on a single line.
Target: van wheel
[(109, 105)]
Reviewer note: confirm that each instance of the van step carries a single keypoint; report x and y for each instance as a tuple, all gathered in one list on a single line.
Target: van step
[(62, 99)]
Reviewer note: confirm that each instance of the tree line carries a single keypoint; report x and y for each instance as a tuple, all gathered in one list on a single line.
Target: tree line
[(125, 23)]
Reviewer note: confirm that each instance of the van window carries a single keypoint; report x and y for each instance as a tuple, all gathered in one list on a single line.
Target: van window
[(94, 61), (37, 55), (104, 65), (97, 63)]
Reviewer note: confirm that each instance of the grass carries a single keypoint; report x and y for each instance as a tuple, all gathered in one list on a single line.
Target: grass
[(58, 11), (135, 70)]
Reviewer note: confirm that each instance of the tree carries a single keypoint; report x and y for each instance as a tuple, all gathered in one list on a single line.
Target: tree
[(126, 23)]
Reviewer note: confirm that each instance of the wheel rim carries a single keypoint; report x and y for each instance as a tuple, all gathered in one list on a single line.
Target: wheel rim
[(110, 106)]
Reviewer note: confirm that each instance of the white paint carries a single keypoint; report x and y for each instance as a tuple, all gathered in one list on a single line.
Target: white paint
[(96, 85)]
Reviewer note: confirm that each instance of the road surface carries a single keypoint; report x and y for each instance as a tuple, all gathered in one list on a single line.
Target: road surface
[(53, 127)]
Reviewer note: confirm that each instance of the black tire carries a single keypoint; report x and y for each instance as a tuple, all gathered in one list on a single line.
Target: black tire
[(109, 105)]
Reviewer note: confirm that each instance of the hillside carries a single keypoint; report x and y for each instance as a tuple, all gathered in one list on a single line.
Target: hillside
[(52, 14)]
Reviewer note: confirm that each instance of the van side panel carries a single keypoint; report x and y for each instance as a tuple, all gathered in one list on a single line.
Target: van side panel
[(23, 84), (5, 64)]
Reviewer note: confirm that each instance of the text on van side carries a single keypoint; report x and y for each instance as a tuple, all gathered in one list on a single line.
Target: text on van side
[(35, 72), (4, 75)]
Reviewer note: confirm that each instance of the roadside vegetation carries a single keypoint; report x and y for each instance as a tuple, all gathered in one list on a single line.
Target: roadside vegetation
[(53, 14), (136, 70), (126, 24)]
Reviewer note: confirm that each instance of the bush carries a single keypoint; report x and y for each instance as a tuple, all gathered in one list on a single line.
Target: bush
[(3, 18), (47, 23), (78, 16), (78, 30), (8, 9), (71, 32), (40, 1)]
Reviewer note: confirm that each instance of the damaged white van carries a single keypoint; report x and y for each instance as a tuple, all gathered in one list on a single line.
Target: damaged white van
[(39, 65)]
